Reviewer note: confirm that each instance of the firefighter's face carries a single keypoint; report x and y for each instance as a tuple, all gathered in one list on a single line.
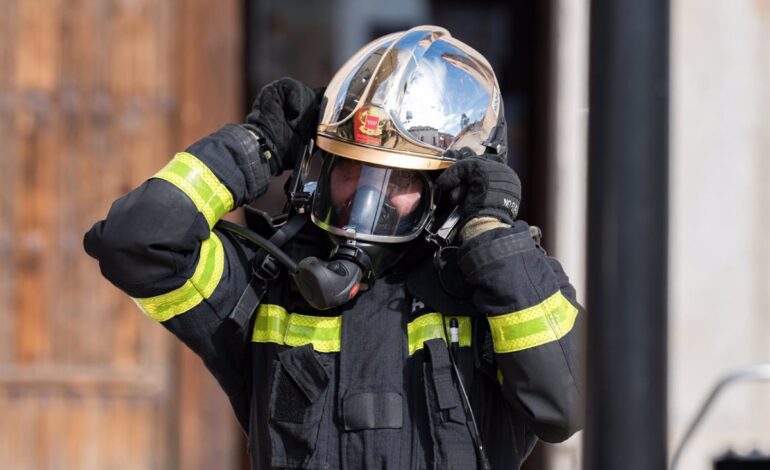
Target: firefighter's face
[(403, 192)]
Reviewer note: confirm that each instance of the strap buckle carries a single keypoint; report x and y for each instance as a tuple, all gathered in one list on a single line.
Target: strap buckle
[(267, 269), (444, 235)]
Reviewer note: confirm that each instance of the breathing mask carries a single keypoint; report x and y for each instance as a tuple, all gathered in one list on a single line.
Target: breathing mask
[(370, 213)]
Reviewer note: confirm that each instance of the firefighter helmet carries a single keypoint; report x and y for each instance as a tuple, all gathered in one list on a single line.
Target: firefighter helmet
[(397, 106)]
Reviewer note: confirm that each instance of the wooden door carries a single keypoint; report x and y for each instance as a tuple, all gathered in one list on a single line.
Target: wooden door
[(94, 97)]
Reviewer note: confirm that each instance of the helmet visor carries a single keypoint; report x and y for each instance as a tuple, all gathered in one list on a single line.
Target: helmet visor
[(369, 202)]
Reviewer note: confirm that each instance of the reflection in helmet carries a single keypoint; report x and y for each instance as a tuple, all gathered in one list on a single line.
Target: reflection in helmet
[(405, 99)]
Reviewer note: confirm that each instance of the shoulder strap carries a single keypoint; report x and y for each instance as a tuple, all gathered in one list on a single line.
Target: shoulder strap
[(260, 221), (264, 270)]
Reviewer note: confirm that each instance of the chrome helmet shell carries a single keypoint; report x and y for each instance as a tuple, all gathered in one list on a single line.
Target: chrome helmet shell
[(405, 99)]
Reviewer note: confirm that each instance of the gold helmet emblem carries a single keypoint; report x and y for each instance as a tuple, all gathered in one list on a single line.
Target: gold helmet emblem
[(371, 122)]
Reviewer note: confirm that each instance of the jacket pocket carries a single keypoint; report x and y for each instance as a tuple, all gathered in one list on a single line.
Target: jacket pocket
[(452, 443), (297, 403)]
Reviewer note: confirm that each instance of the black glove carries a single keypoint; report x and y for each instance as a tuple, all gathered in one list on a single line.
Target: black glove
[(481, 187), (285, 114)]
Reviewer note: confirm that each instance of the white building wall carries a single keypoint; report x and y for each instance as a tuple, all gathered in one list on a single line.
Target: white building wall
[(719, 267), (569, 85), (720, 221)]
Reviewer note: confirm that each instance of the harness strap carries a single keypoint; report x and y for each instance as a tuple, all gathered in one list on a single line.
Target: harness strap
[(264, 271), (446, 394)]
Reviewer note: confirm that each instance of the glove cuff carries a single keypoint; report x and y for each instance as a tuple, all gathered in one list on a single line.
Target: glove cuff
[(499, 213), (478, 225), (266, 148), (234, 156)]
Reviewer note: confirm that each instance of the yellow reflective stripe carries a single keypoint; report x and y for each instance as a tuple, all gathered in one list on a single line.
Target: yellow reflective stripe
[(274, 325), (428, 326), (323, 332), (196, 180), (537, 325), (270, 324), (208, 272)]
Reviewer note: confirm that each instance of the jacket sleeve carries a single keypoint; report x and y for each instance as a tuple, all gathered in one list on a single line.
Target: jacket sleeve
[(535, 321), (158, 245)]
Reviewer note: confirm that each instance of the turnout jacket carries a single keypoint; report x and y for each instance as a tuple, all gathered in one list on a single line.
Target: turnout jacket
[(369, 384)]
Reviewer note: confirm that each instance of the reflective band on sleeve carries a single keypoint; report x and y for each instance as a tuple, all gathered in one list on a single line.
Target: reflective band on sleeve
[(274, 325), (200, 286), (196, 180), (428, 326), (537, 325)]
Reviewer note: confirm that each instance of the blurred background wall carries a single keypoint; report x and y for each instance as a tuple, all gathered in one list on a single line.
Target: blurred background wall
[(719, 241), (720, 221), (96, 95)]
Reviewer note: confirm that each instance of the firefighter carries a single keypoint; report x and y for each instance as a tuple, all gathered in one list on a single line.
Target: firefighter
[(421, 326)]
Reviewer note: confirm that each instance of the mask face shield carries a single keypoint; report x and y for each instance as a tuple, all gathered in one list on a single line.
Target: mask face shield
[(368, 202)]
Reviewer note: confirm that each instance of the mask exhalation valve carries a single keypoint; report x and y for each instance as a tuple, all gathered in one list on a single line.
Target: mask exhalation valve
[(327, 284)]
